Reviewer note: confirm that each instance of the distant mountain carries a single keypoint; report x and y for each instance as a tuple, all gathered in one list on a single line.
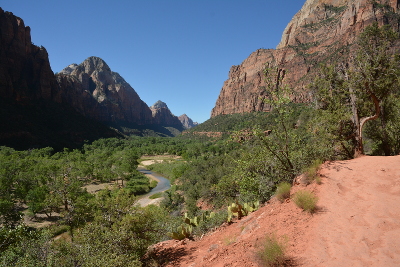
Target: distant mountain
[(101, 94), (322, 31), (163, 116), (187, 122), (79, 103)]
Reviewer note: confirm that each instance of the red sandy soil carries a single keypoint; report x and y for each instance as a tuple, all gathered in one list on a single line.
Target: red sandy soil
[(357, 223)]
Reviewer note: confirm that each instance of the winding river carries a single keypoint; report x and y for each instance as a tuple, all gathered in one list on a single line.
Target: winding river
[(163, 185)]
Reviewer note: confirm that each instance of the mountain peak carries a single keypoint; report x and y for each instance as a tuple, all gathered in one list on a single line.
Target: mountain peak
[(159, 104), (187, 122), (95, 63)]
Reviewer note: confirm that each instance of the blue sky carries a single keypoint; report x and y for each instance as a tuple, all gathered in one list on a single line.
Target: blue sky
[(176, 51)]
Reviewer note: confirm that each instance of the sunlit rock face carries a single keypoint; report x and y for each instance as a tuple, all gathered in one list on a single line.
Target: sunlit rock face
[(97, 92), (322, 31)]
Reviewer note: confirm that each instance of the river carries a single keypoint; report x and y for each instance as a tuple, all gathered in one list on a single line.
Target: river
[(163, 185)]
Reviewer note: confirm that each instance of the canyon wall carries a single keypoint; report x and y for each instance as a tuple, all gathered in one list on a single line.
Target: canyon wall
[(322, 31)]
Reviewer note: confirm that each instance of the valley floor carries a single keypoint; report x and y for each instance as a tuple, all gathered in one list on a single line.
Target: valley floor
[(357, 223)]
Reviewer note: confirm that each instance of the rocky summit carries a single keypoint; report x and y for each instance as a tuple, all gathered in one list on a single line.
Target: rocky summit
[(187, 122), (322, 31), (99, 93), (163, 116)]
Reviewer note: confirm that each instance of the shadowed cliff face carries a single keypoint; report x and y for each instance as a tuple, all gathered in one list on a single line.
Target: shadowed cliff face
[(99, 93), (187, 122), (32, 112), (322, 31), (25, 72), (91, 88), (163, 116)]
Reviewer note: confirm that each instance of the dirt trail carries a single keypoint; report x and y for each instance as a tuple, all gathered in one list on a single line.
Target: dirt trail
[(357, 224), (360, 222)]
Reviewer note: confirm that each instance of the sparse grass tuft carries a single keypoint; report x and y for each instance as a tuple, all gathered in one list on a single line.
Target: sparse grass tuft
[(306, 200), (312, 172), (272, 252), (283, 191)]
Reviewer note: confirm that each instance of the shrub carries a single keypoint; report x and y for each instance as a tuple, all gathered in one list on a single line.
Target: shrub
[(283, 191), (306, 200), (153, 184), (272, 252)]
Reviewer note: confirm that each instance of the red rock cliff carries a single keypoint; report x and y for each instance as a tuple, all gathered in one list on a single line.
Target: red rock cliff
[(321, 31)]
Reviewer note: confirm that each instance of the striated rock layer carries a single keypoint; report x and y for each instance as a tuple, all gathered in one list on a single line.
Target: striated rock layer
[(323, 30)]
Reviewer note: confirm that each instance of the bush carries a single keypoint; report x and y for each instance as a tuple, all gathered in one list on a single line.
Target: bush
[(283, 191), (153, 184), (138, 184), (272, 252), (306, 200)]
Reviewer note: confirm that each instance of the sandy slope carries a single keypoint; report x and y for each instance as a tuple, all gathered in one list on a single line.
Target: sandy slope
[(357, 224)]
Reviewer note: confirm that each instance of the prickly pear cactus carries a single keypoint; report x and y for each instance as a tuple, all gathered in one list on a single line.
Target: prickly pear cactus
[(183, 231)]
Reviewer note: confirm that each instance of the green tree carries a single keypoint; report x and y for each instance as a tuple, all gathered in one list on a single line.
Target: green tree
[(361, 87)]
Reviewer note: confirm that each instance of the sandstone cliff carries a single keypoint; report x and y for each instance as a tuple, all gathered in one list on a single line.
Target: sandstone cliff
[(187, 122), (163, 116), (321, 31), (101, 94), (25, 72)]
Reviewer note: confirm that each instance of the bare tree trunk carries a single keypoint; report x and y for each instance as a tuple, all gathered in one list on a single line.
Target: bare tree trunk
[(365, 119)]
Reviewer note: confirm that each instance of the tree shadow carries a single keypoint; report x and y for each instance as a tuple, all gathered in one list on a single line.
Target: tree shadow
[(319, 210), (165, 256), (336, 165)]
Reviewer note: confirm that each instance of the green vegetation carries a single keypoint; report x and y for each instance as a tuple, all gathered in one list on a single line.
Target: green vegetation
[(335, 9), (185, 230), (313, 27), (272, 252), (256, 156), (283, 191), (349, 96), (311, 172), (156, 195), (239, 210), (306, 200)]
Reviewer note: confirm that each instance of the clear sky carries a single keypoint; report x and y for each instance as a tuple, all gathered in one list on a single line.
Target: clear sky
[(176, 51)]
